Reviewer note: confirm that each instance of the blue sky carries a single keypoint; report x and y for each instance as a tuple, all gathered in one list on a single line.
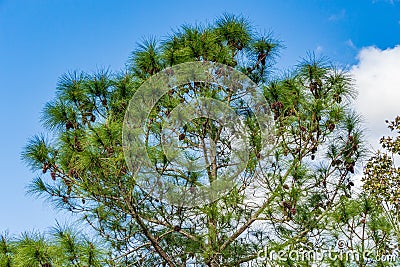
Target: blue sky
[(42, 39)]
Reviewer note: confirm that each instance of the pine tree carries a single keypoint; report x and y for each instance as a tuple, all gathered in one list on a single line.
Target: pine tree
[(284, 199), (61, 246)]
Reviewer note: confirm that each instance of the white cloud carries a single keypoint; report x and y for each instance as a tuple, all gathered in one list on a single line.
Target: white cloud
[(377, 78)]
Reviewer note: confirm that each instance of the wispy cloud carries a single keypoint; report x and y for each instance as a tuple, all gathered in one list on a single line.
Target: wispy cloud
[(350, 44), (338, 16), (319, 49), (387, 1)]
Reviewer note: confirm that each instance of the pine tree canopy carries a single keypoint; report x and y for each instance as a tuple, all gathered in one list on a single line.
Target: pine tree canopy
[(298, 195)]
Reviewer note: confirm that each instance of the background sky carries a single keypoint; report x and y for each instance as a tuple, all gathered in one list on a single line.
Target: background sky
[(40, 40)]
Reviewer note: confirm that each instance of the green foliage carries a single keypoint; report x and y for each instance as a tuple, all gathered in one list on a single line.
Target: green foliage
[(382, 176), (61, 247)]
